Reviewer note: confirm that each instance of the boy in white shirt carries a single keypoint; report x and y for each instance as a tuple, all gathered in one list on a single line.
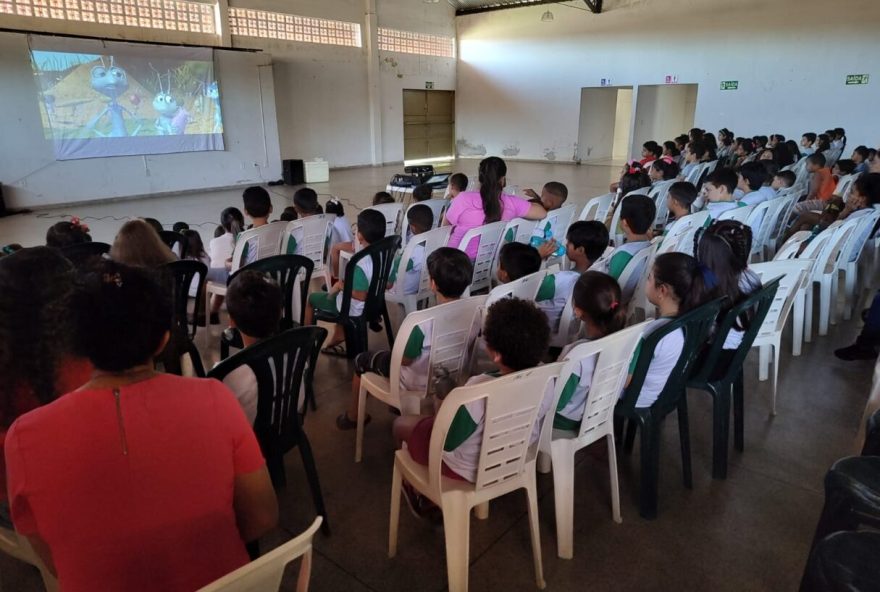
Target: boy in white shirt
[(636, 218), (552, 197), (305, 202), (517, 260), (750, 180), (807, 141), (585, 244), (420, 219), (719, 187), (254, 303), (451, 272)]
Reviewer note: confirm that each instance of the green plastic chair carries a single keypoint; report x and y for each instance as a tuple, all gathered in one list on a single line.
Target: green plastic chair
[(731, 378), (284, 366), (382, 253), (696, 325)]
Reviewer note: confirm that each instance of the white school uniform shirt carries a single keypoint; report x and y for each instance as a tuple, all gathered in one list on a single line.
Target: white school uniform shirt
[(716, 208), (415, 376), (341, 231), (414, 271), (807, 151), (666, 355), (554, 292), (763, 194), (464, 459), (362, 277), (748, 283), (573, 409), (243, 383), (220, 249)]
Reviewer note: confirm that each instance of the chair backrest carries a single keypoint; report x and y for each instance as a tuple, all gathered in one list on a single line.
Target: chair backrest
[(452, 338), (639, 299), (174, 239), (438, 208), (597, 207), (265, 239), (697, 173), (615, 352), (856, 242), (180, 275), (740, 214), (286, 270), (560, 219), (284, 366), (569, 324), (312, 235), (633, 271), (793, 274), (679, 230), (616, 230), (762, 220), (488, 236), (512, 405), (264, 573), (759, 303), (659, 192), (696, 325), (429, 242), (382, 254), (525, 287), (517, 230), (790, 249), (844, 184), (826, 254), (392, 213), (791, 197), (84, 253)]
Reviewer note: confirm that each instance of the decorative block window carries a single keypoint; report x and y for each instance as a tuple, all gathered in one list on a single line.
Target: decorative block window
[(171, 15), (291, 27), (418, 43)]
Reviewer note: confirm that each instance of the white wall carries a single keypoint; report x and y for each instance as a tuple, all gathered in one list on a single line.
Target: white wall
[(519, 79), (662, 112), (622, 123), (596, 126), (32, 177)]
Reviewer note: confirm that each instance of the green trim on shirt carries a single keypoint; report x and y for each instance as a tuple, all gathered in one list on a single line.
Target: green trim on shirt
[(568, 391), (244, 252), (461, 428), (414, 344), (509, 236), (361, 282), (548, 288), (635, 358), (618, 263), (291, 246), (560, 422)]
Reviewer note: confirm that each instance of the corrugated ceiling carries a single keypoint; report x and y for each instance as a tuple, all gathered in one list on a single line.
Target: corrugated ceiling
[(471, 6)]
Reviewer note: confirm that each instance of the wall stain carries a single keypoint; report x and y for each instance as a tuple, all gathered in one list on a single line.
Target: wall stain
[(465, 148), (510, 150), (549, 154)]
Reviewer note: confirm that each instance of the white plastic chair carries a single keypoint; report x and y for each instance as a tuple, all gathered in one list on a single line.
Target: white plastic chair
[(616, 230), (739, 214), (569, 325), (452, 338), (825, 274), (430, 241), (615, 352), (525, 287), (488, 236), (264, 574), (438, 209), (15, 545), (782, 219), (795, 276), (844, 185), (800, 312), (392, 213), (639, 300), (597, 208), (266, 240), (312, 235), (632, 273), (507, 463), (560, 219), (659, 192), (520, 230), (681, 229), (762, 220), (850, 255)]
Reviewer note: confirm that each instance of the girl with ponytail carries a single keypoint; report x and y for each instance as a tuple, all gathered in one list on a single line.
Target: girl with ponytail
[(471, 209), (597, 303)]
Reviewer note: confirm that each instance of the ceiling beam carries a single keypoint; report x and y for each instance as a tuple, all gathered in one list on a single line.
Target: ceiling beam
[(594, 5), (504, 6)]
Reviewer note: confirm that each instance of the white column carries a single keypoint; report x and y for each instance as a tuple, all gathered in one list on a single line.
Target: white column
[(374, 93)]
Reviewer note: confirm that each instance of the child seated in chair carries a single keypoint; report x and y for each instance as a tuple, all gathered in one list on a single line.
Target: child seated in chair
[(341, 229), (586, 242), (750, 180), (420, 218), (822, 185), (451, 272), (552, 197), (507, 322), (258, 207), (679, 201), (254, 303), (457, 184), (783, 180), (370, 228), (719, 188), (636, 218), (517, 260), (597, 303), (422, 192), (305, 202), (381, 197)]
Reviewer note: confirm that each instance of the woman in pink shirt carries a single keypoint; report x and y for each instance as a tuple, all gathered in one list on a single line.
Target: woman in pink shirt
[(137, 480), (471, 209)]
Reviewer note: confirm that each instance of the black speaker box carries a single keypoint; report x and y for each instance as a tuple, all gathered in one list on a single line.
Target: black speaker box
[(293, 172)]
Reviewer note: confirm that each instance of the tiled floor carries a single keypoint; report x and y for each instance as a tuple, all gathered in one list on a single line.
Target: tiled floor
[(749, 532)]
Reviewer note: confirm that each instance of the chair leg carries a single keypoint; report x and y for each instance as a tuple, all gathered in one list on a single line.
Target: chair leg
[(394, 520), (481, 511), (720, 432), (362, 413), (808, 314), (630, 437), (650, 452), (563, 500), (535, 530), (776, 347), (738, 413), (684, 436), (389, 331), (275, 464), (797, 327), (457, 525), (305, 451), (835, 295), (612, 473), (763, 362), (305, 572), (825, 305)]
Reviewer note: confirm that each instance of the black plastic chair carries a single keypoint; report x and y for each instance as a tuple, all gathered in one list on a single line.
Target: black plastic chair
[(171, 238), (852, 496), (85, 254), (283, 365), (180, 345), (180, 277), (712, 376), (871, 446), (382, 253), (844, 562), (284, 269), (696, 325)]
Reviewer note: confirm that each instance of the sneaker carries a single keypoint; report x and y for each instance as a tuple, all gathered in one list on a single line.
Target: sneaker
[(856, 352)]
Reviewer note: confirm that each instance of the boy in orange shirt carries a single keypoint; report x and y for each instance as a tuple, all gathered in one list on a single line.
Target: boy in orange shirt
[(822, 185)]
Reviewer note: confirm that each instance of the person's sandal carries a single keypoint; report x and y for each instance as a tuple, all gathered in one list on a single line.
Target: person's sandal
[(344, 422), (337, 349)]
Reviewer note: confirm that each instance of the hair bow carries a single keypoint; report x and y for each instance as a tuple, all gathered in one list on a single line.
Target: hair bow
[(78, 224), (667, 159), (709, 277)]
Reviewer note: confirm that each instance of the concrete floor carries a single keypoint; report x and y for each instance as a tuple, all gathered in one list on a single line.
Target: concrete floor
[(749, 532)]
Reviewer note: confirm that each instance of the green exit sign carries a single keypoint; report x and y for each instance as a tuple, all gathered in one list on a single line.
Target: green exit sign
[(856, 79), (429, 85), (729, 84)]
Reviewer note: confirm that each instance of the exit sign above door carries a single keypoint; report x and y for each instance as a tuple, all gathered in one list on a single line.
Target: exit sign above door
[(730, 85), (429, 86), (856, 79)]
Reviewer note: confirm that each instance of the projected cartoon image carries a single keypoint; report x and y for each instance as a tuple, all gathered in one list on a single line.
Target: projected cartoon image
[(87, 96)]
